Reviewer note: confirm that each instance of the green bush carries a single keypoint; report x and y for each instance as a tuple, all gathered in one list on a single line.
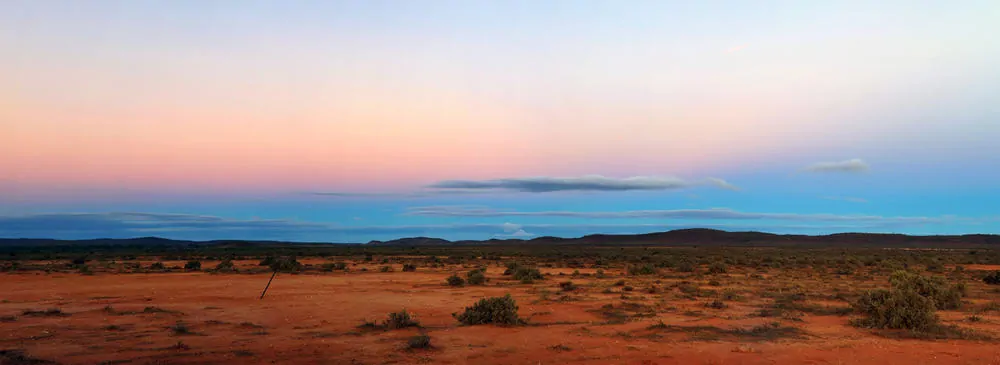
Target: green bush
[(193, 265), (419, 342), (455, 280), (397, 320), (225, 266), (527, 274), (685, 266), (945, 296), (567, 286), (476, 277), (495, 310), (157, 266), (910, 303), (717, 268), (646, 269), (409, 267), (285, 264), (385, 269), (992, 279), (896, 309)]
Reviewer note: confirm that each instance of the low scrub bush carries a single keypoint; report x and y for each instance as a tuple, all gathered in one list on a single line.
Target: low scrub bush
[(409, 267), (717, 268), (567, 286), (225, 266), (495, 310), (476, 277), (528, 274), (419, 342), (944, 295), (193, 265), (910, 303), (455, 280), (992, 279), (646, 269), (402, 319)]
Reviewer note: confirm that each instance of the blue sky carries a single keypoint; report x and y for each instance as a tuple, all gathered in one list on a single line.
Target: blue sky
[(349, 121)]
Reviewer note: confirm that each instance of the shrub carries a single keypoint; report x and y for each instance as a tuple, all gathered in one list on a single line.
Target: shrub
[(476, 277), (180, 329), (397, 320), (910, 303), (226, 265), (455, 280), (717, 268), (157, 266), (527, 274), (943, 295), (896, 309), (419, 342), (685, 267), (385, 269), (193, 265), (599, 274), (646, 269), (495, 310), (284, 264), (267, 261), (716, 304), (567, 286), (409, 267), (992, 279)]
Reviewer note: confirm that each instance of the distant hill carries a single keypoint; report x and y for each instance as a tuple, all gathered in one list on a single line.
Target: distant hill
[(681, 237)]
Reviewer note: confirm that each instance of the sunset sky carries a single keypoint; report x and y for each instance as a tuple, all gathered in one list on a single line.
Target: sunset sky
[(350, 121)]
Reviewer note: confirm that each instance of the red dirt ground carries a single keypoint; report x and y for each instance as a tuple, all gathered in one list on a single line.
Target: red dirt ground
[(313, 319)]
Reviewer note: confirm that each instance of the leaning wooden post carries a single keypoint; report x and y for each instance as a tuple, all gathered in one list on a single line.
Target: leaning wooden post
[(268, 284)]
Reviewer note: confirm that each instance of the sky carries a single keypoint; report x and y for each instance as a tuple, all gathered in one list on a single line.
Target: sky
[(351, 121)]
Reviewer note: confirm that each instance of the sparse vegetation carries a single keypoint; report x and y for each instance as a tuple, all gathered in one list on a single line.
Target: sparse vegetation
[(401, 319), (496, 310), (193, 265), (455, 280), (421, 341), (476, 277), (910, 303), (225, 266), (993, 278)]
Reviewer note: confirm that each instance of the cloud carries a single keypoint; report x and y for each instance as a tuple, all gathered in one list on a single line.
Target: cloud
[(512, 230), (848, 166), (735, 49), (583, 183), (846, 199), (701, 214)]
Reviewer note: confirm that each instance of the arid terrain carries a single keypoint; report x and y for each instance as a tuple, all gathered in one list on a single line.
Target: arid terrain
[(637, 305)]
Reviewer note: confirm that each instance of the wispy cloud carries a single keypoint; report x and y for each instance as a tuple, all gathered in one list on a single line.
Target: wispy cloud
[(512, 230), (855, 165), (736, 48), (698, 214), (846, 199), (583, 183)]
